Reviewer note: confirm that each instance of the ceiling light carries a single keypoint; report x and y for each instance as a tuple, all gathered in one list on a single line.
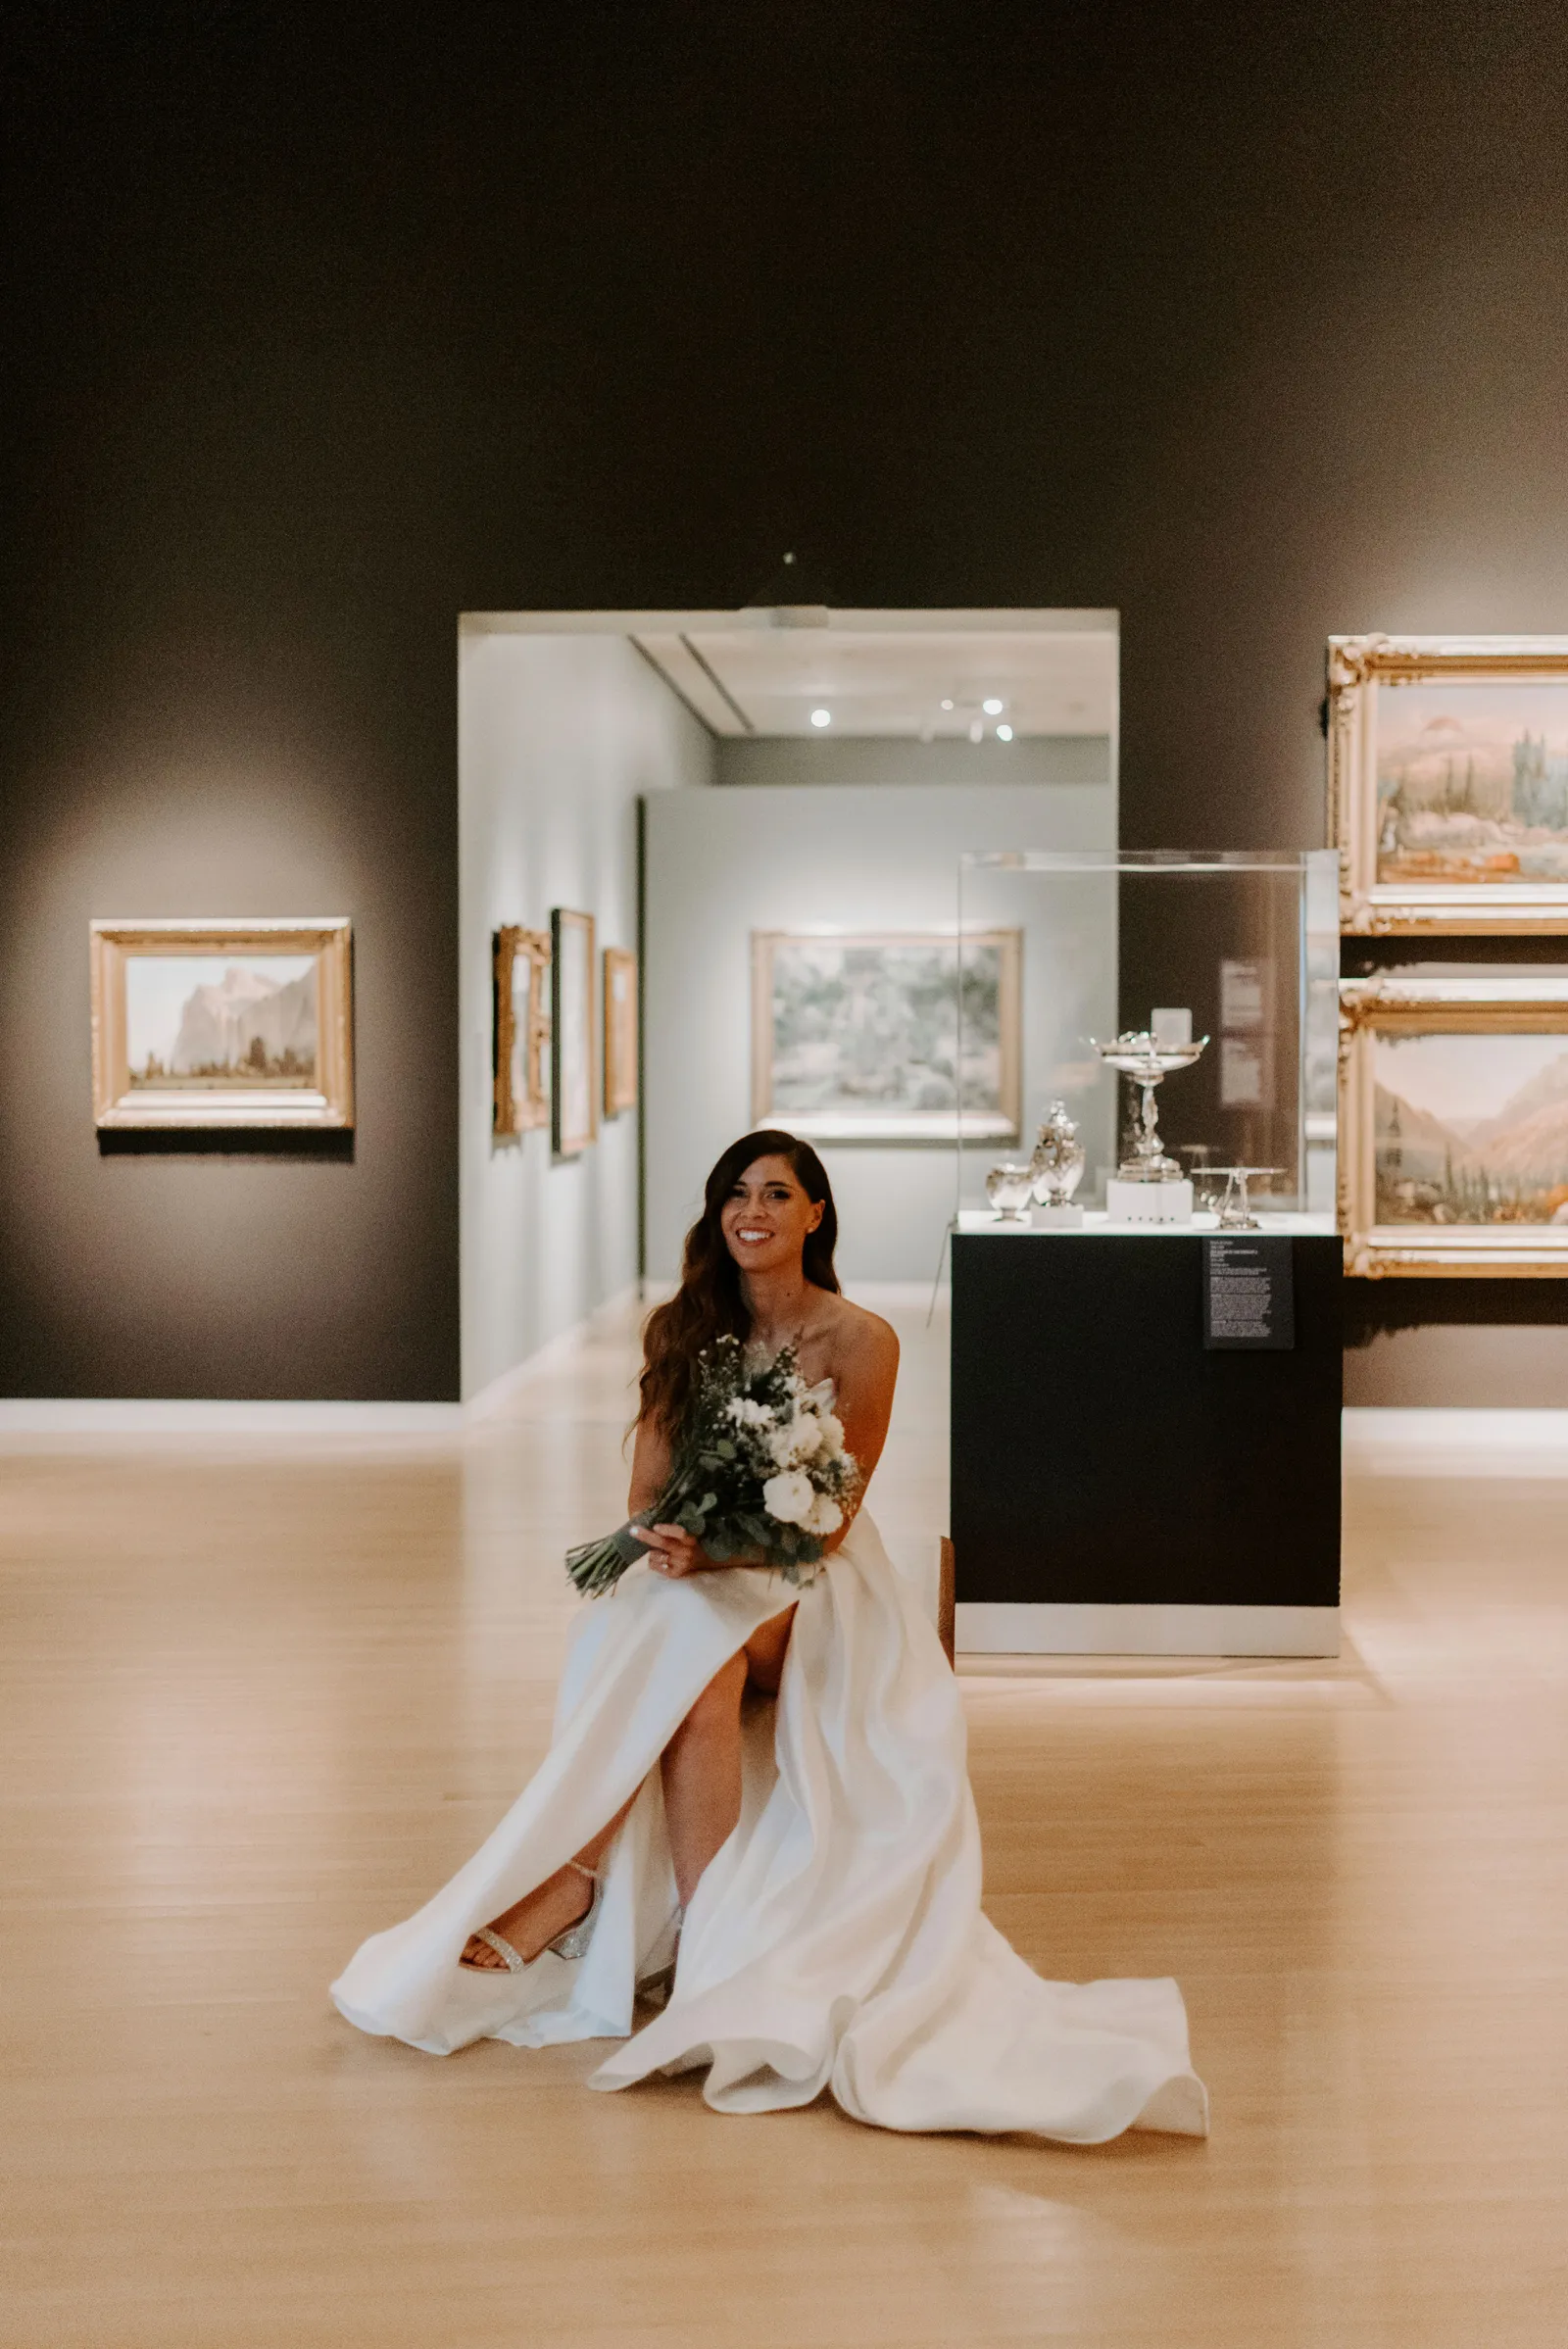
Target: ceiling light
[(991, 707), (977, 731), (821, 717), (1004, 734), (946, 705)]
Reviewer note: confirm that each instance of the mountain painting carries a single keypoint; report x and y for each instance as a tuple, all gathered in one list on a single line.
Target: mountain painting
[(1473, 782), (1471, 1129), (208, 1022)]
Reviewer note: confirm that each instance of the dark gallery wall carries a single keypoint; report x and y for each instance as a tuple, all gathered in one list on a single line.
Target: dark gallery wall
[(322, 327)]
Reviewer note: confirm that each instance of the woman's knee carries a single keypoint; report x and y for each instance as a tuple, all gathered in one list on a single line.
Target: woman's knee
[(765, 1651)]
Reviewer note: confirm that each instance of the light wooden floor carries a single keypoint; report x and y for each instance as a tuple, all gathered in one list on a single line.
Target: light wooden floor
[(260, 1700)]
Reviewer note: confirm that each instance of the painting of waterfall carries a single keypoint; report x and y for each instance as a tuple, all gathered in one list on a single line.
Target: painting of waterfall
[(228, 1024)]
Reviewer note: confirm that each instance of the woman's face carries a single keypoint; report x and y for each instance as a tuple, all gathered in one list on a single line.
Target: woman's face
[(767, 1217)]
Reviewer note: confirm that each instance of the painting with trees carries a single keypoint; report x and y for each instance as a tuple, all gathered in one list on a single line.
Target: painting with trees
[(212, 1023), (1448, 781), (1473, 783)]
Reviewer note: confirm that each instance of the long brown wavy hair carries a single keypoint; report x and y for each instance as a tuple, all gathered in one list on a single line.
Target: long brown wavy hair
[(709, 1302)]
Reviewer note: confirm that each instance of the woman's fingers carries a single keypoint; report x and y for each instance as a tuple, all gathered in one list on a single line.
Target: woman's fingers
[(672, 1550)]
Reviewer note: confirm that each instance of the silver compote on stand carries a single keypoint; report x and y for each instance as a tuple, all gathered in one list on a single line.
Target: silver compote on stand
[(1148, 1186)]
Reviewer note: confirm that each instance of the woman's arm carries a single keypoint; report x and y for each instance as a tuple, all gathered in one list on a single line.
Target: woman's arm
[(867, 1374), (649, 1466)]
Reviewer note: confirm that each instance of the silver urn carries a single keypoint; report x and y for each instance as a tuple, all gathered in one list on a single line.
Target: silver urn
[(1058, 1163)]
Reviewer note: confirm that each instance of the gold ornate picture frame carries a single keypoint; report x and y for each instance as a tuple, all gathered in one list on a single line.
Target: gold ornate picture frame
[(621, 1031), (1454, 1121), (521, 1031), (207, 1023), (1448, 783)]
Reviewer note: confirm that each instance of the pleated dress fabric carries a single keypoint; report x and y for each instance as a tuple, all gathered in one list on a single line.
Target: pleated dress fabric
[(837, 1940)]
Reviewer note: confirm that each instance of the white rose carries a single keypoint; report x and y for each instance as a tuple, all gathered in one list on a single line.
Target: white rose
[(796, 1441), (826, 1516), (789, 1498), (831, 1430)]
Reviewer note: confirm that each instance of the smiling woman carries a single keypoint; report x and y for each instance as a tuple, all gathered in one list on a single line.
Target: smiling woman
[(797, 1886), (800, 1223)]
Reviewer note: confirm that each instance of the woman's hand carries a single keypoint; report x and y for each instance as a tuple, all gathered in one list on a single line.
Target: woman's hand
[(673, 1551)]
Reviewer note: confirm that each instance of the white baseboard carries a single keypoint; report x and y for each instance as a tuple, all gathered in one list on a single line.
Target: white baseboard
[(24, 1416), (987, 1628), (1439, 1441), (494, 1395)]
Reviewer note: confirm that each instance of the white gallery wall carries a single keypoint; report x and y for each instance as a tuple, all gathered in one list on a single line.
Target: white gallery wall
[(559, 738), (721, 864)]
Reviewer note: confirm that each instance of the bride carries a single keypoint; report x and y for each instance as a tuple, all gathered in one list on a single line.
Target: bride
[(756, 1811)]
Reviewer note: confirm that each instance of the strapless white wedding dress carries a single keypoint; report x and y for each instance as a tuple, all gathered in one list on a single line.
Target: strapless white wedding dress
[(837, 1940)]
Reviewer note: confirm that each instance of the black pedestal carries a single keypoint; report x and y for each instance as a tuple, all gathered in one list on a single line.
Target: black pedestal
[(1103, 1458)]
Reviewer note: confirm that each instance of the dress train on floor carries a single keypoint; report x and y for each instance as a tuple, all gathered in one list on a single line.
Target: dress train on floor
[(837, 1940)]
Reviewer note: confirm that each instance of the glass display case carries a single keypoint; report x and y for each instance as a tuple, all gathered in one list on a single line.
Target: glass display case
[(1146, 1039)]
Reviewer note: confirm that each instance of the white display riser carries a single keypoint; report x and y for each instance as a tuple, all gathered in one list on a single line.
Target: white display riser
[(1149, 1202), (988, 1628)]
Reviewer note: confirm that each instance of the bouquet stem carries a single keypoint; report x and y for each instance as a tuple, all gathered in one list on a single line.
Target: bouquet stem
[(598, 1566)]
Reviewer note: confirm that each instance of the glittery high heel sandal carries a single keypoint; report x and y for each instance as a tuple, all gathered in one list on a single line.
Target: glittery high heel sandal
[(572, 1943)]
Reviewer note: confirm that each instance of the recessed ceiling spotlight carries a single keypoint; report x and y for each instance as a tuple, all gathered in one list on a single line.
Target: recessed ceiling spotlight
[(1004, 734), (991, 707), (946, 705), (821, 717)]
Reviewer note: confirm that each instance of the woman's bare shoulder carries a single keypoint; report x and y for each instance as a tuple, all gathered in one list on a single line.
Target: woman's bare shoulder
[(862, 1339)]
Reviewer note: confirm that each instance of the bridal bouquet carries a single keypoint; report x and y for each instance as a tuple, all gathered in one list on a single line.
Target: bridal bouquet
[(760, 1476)]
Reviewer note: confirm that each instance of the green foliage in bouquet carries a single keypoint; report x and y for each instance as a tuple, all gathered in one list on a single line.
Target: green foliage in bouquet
[(760, 1476)]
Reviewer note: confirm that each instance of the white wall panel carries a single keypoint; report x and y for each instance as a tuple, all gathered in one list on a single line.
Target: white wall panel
[(723, 863), (559, 738)]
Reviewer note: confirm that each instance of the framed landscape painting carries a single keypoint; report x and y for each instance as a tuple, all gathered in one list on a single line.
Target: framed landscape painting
[(878, 1036), (221, 1023), (521, 1031), (621, 1031), (573, 1095), (1454, 1120), (1448, 781)]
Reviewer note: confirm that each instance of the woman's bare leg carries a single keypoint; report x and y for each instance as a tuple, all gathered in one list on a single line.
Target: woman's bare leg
[(702, 1765), (766, 1650), (702, 1776), (702, 1772), (532, 1922)]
